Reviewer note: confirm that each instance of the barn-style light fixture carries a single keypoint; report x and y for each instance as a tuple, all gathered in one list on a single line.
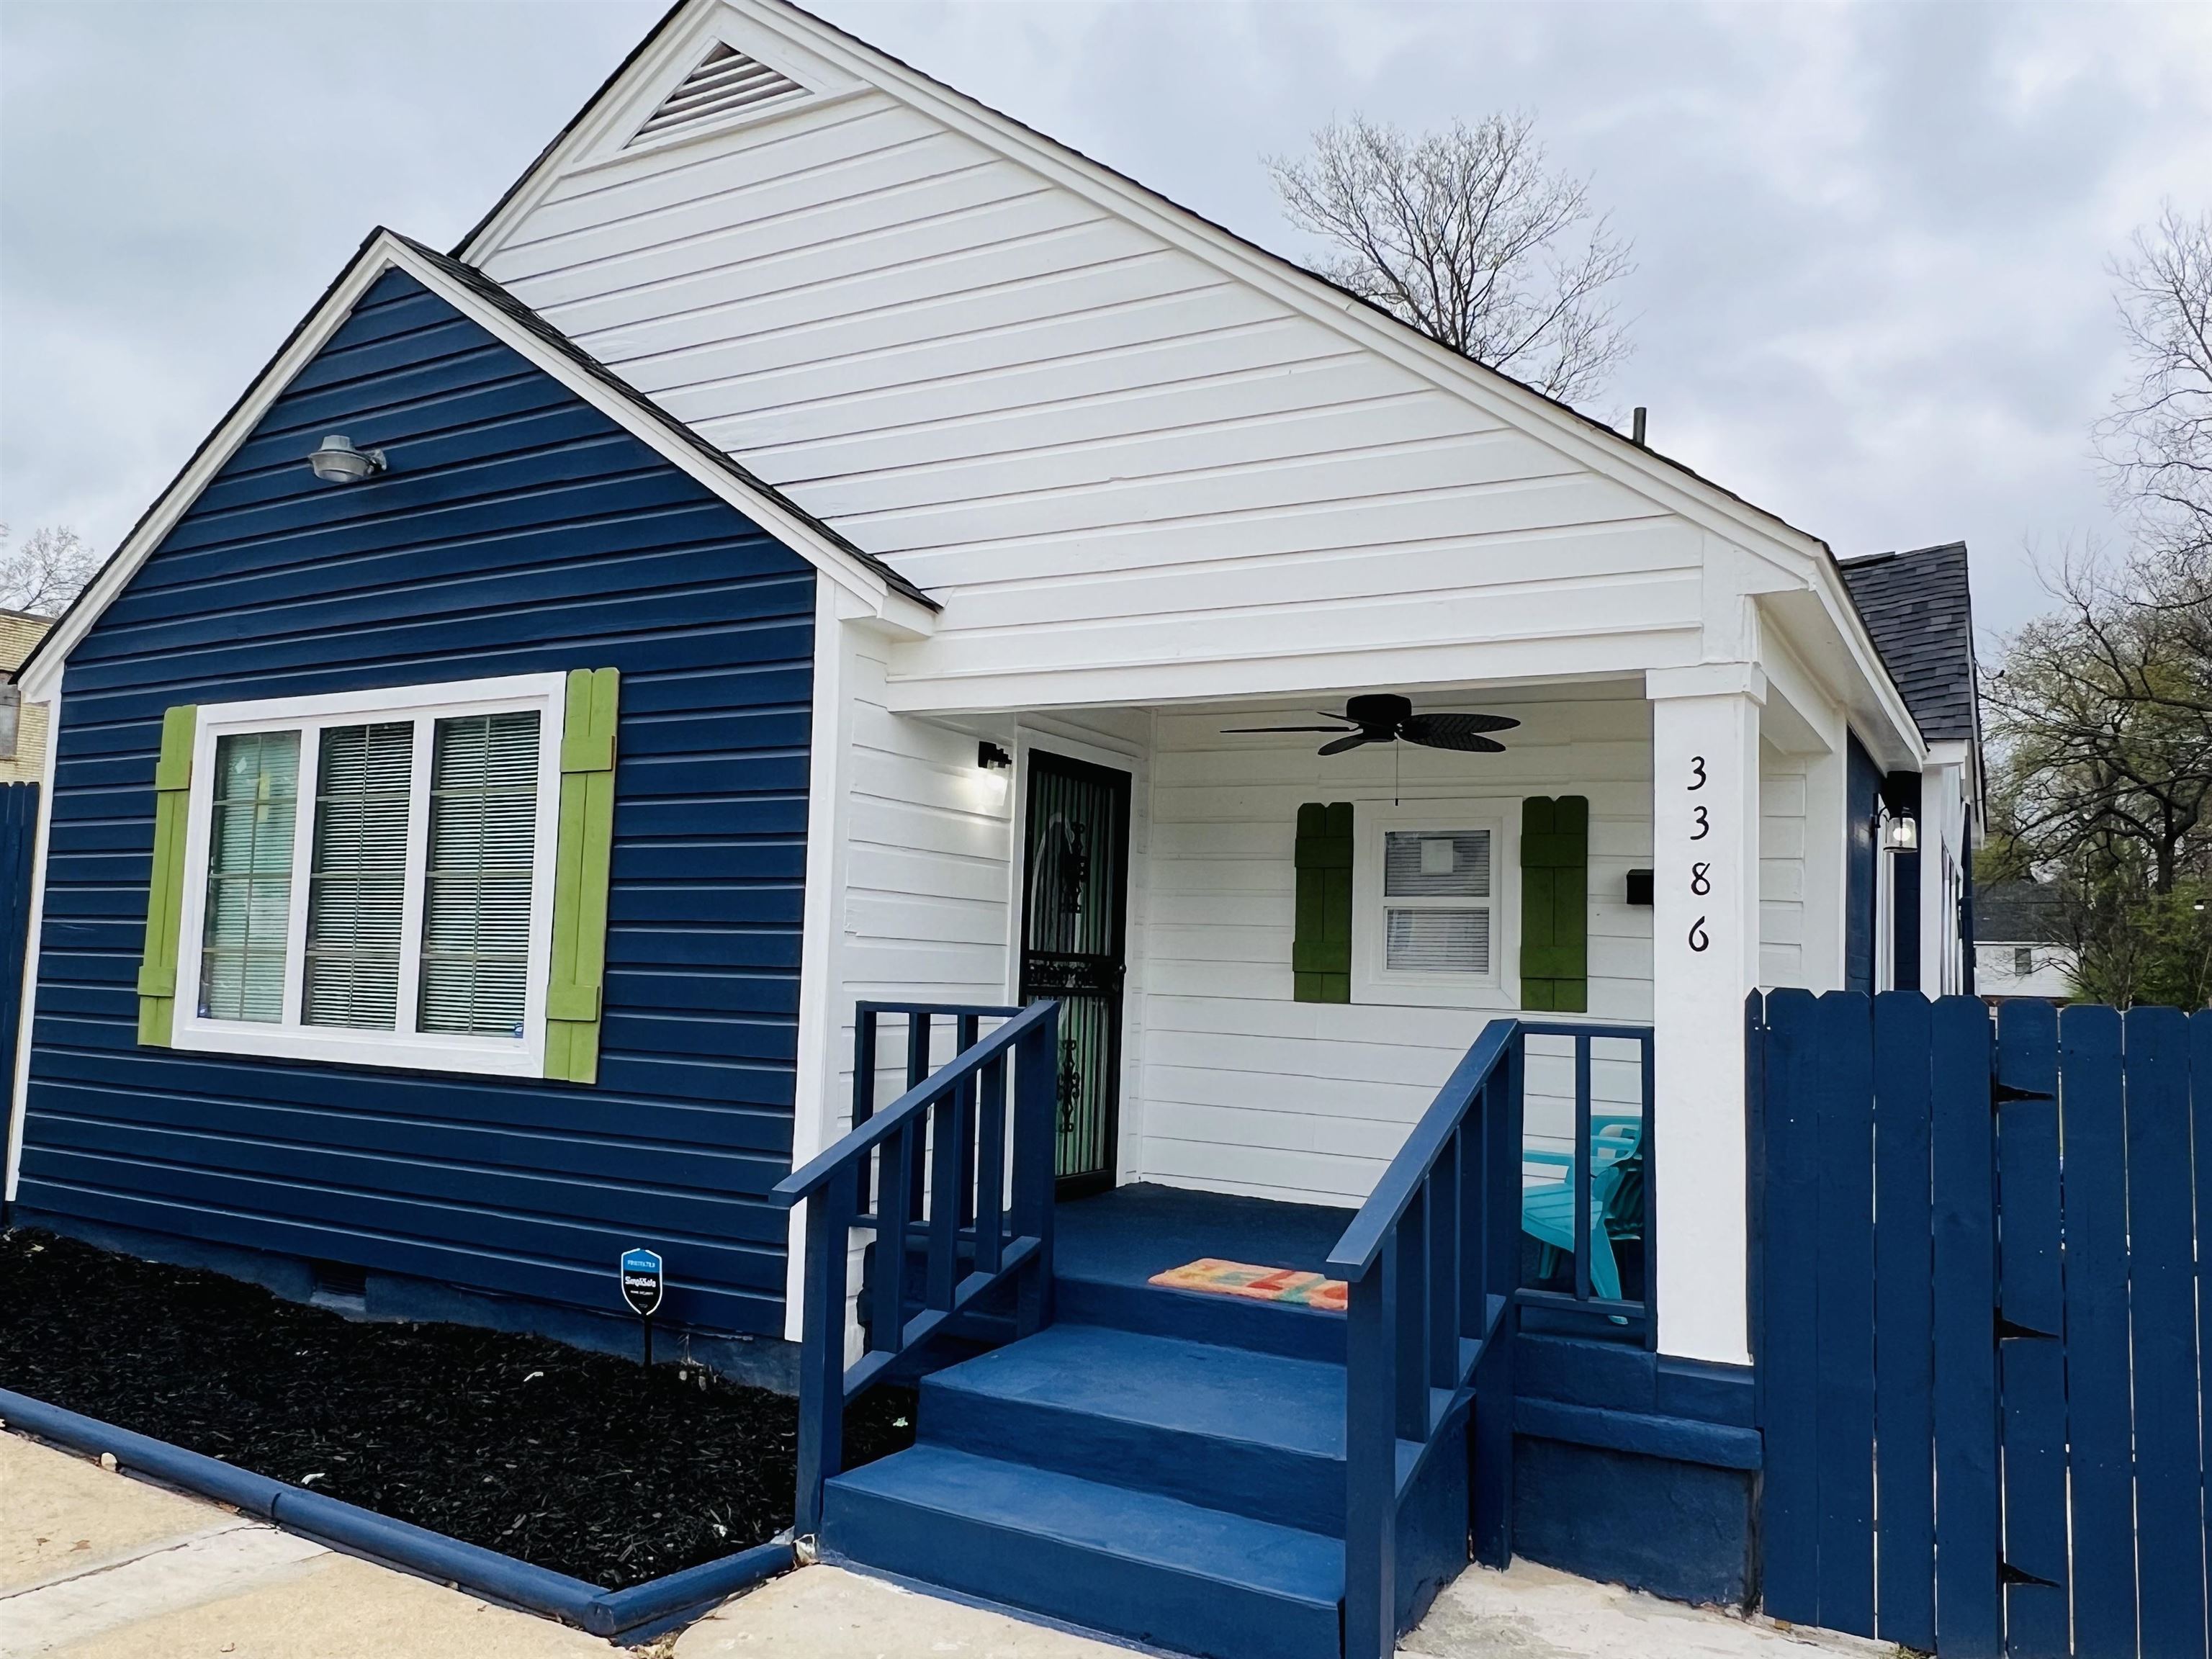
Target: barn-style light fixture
[(337, 461), (1901, 835), (991, 757)]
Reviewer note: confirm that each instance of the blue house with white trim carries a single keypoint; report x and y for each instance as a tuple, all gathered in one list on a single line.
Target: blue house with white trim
[(620, 720)]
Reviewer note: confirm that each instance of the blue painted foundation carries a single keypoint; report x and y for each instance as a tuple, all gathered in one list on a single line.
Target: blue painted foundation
[(760, 1362), (1636, 1469)]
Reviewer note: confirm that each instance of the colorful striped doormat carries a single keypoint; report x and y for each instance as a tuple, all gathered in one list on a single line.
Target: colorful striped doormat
[(1259, 1283)]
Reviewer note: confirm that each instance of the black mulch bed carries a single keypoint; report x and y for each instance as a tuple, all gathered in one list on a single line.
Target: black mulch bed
[(581, 1462)]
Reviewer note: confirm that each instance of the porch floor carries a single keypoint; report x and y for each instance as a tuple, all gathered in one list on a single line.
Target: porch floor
[(1125, 1235)]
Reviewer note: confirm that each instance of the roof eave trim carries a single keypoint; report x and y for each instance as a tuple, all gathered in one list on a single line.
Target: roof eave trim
[(383, 250)]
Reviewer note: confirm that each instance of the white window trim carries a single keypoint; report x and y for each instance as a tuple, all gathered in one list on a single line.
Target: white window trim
[(1373, 982), (416, 1051)]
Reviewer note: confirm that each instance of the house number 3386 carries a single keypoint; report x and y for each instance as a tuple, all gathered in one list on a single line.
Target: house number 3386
[(1701, 822)]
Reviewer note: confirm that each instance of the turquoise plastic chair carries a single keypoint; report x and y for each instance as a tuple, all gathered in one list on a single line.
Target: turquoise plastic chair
[(1616, 1204)]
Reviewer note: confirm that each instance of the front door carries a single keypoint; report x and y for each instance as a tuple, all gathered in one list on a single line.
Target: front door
[(1074, 903)]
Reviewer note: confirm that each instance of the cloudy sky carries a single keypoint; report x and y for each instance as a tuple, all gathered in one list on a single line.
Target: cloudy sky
[(1871, 239)]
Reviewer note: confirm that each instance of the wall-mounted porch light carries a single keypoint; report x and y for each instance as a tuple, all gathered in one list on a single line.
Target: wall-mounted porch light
[(994, 769), (337, 461), (1901, 835)]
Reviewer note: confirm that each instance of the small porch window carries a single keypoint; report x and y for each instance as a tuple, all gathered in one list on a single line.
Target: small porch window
[(1430, 910), (368, 876)]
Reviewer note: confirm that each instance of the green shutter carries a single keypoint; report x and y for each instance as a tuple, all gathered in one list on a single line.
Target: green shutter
[(579, 877), (1321, 953), (1555, 904), (164, 891)]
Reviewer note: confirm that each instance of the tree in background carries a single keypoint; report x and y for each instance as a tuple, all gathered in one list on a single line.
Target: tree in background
[(2157, 441), (1467, 235), (2100, 714), (46, 572)]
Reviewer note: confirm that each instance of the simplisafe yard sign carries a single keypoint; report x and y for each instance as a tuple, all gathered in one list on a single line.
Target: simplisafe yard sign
[(642, 1281)]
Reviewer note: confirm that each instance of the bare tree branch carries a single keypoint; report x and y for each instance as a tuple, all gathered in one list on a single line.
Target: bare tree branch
[(1466, 235), (46, 572)]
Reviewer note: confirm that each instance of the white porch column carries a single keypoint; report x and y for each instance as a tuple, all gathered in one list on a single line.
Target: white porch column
[(1704, 957)]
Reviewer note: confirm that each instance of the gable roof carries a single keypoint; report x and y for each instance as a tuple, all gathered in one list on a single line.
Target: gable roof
[(1671, 483), (515, 325), (1919, 609), (1388, 321)]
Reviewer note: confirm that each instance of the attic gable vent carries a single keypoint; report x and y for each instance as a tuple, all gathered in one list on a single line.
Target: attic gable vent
[(726, 83)]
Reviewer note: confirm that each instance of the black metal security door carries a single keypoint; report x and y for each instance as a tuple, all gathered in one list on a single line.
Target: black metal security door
[(1074, 903)]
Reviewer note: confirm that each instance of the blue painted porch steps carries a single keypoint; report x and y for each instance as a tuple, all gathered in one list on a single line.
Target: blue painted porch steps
[(1132, 1563), (1255, 1434), (1189, 1495)]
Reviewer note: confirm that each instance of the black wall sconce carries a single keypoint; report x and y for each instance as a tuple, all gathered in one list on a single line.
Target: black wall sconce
[(989, 754), (1639, 887)]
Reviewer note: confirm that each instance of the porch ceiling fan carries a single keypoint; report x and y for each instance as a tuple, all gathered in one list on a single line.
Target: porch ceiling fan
[(1385, 717)]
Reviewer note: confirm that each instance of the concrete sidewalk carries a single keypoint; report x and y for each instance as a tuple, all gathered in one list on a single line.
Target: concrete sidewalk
[(98, 1566), (95, 1564), (1527, 1612)]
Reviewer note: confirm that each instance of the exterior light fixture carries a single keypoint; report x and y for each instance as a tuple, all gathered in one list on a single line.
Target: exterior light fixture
[(1901, 835), (991, 757), (337, 461)]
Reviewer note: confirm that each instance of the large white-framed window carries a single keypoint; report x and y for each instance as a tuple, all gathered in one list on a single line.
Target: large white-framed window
[(368, 876), (1434, 897)]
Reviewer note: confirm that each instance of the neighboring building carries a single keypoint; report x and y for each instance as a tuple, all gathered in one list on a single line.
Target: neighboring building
[(2020, 947), (820, 542), (25, 761), (1919, 608)]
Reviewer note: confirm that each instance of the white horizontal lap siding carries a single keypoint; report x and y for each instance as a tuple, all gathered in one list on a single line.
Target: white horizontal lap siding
[(1098, 450), (1246, 1089), (1781, 808), (924, 916)]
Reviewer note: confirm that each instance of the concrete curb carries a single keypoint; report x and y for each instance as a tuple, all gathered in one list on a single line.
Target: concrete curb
[(634, 1614)]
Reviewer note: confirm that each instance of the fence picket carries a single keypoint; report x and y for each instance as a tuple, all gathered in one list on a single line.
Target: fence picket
[(1789, 1360), (1904, 1422), (1968, 1611), (2169, 1512), (2094, 1128), (2200, 1118), (2031, 1360), (1844, 1271)]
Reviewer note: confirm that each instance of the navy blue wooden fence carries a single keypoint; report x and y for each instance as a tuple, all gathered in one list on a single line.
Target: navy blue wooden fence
[(19, 834), (1983, 1334)]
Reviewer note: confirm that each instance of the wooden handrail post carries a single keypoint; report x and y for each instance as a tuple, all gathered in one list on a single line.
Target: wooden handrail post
[(1035, 1080), (1370, 1470), (821, 1362)]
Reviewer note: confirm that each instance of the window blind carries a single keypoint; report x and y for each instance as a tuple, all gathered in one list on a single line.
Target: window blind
[(1430, 864), (1437, 941), (253, 810), (477, 890), (1451, 869), (357, 888)]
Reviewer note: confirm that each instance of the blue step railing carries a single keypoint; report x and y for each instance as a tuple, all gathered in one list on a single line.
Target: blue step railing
[(958, 1169), (1432, 1266)]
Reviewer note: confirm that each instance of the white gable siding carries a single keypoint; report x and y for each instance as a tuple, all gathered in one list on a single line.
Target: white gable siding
[(1782, 918), (1097, 449), (1245, 1090)]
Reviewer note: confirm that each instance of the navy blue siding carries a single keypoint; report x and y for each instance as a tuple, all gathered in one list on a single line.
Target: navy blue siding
[(518, 531), (1862, 812)]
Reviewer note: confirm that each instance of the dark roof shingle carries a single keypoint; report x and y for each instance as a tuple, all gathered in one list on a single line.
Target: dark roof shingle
[(1918, 608), (2019, 913)]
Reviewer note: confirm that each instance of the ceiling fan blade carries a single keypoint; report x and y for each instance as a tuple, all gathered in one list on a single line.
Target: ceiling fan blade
[(1456, 731), (1345, 743), (1282, 728), (1463, 742)]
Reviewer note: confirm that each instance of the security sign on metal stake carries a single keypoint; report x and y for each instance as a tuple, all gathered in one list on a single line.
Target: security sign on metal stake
[(642, 1281)]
